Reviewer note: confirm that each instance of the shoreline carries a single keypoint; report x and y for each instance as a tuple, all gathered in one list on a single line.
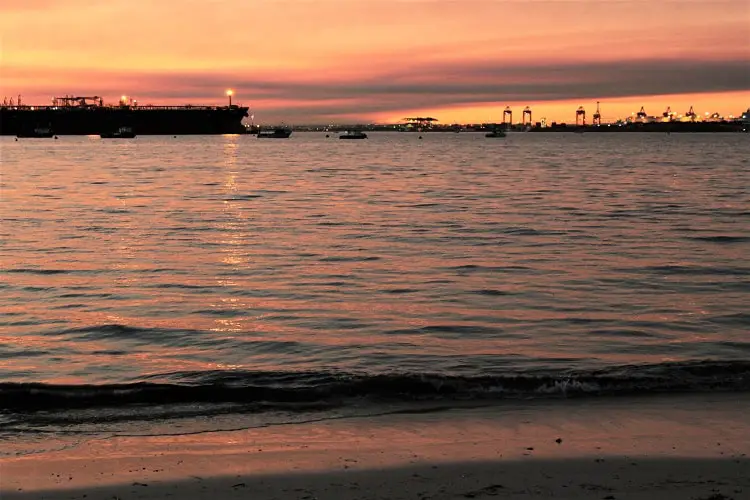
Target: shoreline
[(683, 446)]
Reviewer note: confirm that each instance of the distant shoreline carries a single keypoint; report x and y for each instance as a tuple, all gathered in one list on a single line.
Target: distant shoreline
[(660, 127)]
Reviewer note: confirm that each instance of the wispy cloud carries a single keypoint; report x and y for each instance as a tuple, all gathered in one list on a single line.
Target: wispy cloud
[(315, 61), (438, 85)]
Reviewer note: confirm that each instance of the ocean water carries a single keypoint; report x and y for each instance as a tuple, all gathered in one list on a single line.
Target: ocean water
[(231, 274)]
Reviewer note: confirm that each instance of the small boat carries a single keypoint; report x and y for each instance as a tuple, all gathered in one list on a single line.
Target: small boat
[(122, 133), (353, 134), (39, 133), (495, 133), (277, 133)]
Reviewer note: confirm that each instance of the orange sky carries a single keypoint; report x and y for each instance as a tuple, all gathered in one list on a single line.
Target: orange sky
[(320, 61)]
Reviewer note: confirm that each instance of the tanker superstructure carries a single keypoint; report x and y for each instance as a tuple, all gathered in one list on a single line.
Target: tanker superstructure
[(90, 116)]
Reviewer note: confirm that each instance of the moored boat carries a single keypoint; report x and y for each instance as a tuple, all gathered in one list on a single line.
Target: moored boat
[(353, 134), (495, 133), (277, 133), (71, 115)]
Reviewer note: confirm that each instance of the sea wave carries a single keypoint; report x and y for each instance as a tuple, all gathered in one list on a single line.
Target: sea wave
[(266, 390)]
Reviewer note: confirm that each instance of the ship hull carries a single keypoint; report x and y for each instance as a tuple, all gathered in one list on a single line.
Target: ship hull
[(96, 120), (46, 135)]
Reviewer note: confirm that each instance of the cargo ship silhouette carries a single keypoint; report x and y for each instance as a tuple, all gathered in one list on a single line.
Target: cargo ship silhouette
[(90, 116)]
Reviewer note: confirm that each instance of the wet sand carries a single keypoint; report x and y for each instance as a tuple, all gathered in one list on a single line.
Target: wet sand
[(681, 447)]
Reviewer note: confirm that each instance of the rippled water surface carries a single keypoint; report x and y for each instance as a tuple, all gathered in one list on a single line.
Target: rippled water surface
[(195, 259)]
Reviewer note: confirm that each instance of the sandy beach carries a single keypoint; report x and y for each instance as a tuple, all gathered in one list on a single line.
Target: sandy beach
[(681, 447)]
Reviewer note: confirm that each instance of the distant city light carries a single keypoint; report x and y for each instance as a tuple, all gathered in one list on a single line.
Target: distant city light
[(230, 92)]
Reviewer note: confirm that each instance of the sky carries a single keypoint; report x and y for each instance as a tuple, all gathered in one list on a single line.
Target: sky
[(343, 61)]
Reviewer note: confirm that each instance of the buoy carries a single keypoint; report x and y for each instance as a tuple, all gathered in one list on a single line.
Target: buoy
[(327, 136), (56, 137), (420, 137)]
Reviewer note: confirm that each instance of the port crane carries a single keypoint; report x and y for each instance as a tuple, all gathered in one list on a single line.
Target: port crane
[(509, 113), (597, 115), (691, 114), (526, 111), (581, 114), (642, 115), (10, 103)]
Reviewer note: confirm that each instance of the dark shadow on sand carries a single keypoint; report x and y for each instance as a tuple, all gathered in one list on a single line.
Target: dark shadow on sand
[(580, 478)]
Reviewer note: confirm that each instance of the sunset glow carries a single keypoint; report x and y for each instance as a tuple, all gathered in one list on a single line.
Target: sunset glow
[(339, 60)]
